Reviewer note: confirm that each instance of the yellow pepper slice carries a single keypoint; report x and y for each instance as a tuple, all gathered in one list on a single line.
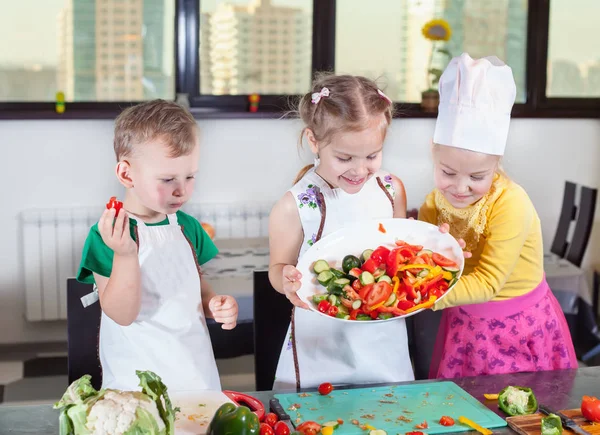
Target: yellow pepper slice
[(396, 283), (426, 304), (491, 396), (416, 266), (472, 424), (328, 430)]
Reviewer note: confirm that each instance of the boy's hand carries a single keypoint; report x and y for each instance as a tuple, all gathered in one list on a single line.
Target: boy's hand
[(291, 284), (444, 228), (224, 310), (117, 236)]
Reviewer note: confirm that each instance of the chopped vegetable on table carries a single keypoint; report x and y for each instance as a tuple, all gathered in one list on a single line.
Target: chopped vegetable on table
[(551, 425), (590, 408), (233, 419), (514, 400), (384, 283)]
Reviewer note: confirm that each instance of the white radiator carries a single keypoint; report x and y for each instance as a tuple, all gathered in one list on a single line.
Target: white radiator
[(53, 241)]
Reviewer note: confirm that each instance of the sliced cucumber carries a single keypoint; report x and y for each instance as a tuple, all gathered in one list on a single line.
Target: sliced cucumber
[(342, 309), (350, 262), (418, 298), (377, 432), (336, 286), (324, 277), (318, 298), (378, 273), (338, 273), (391, 300), (451, 269), (366, 278), (320, 266), (451, 283), (423, 273), (341, 315), (333, 424), (385, 316), (425, 252), (356, 304), (333, 299), (384, 278), (363, 317), (366, 255), (355, 272)]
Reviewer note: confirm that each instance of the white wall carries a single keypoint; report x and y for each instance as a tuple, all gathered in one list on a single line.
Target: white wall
[(49, 164)]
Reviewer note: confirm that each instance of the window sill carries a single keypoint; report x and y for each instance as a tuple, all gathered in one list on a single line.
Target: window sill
[(46, 111)]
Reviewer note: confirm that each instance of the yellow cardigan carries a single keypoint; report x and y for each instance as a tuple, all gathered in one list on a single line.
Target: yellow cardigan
[(508, 260)]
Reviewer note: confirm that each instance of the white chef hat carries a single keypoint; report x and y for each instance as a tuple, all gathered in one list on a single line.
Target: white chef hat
[(476, 98)]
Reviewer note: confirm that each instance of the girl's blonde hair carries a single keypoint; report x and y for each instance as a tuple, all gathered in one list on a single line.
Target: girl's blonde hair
[(353, 102)]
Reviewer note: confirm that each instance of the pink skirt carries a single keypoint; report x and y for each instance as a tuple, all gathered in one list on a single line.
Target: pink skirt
[(524, 334)]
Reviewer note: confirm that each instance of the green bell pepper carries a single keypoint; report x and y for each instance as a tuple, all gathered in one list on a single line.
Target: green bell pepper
[(551, 425), (233, 420), (517, 400)]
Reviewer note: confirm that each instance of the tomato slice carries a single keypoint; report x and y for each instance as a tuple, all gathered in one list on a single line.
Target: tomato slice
[(590, 408), (333, 310), (363, 293), (308, 426), (380, 293), (440, 260), (423, 425)]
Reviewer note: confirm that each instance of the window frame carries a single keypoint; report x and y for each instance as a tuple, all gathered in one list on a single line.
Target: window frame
[(187, 76)]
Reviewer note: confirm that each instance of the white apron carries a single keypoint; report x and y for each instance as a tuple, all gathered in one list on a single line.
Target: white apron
[(319, 349), (169, 336)]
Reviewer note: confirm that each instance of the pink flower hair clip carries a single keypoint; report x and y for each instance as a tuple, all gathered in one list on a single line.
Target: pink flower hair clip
[(385, 97), (316, 97)]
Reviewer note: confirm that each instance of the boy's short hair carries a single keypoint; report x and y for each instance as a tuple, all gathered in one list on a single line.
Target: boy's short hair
[(155, 120)]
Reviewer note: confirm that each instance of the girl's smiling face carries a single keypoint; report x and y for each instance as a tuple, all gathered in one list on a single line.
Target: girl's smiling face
[(463, 176), (351, 158)]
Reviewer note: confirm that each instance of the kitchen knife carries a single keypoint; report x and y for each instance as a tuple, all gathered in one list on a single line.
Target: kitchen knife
[(278, 410), (566, 421)]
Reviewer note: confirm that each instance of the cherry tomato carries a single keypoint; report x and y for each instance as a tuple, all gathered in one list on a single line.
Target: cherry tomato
[(113, 203), (309, 427), (323, 306), (325, 388), (265, 429), (333, 310), (446, 421), (415, 433), (281, 428), (380, 293), (440, 260), (590, 408), (271, 419)]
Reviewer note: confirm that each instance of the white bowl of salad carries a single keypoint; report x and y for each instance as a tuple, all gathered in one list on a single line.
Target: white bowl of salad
[(380, 270)]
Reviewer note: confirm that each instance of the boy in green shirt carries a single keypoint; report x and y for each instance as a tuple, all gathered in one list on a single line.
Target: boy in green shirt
[(145, 258)]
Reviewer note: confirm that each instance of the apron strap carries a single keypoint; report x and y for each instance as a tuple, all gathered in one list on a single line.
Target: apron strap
[(172, 219)]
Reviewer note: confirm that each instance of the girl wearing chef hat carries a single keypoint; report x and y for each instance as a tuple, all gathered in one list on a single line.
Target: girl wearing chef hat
[(501, 316)]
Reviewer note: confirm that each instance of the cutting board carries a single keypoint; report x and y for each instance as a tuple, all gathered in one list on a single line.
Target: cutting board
[(197, 408), (530, 424), (395, 409)]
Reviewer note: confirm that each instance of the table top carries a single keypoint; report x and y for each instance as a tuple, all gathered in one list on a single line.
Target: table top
[(559, 389)]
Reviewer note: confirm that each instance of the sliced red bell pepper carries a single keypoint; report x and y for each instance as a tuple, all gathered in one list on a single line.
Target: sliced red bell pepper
[(355, 313), (405, 304), (380, 255), (394, 260), (439, 289), (427, 304), (394, 310), (408, 288), (370, 265), (427, 286)]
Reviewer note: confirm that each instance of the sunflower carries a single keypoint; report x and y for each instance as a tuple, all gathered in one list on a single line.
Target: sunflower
[(437, 30)]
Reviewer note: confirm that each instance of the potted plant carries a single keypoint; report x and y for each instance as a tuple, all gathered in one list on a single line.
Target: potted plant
[(438, 31)]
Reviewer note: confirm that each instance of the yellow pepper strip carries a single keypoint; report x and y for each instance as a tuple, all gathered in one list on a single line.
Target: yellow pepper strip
[(328, 430), (426, 304), (491, 396), (396, 283), (416, 266), (447, 275), (369, 427), (374, 307), (472, 424)]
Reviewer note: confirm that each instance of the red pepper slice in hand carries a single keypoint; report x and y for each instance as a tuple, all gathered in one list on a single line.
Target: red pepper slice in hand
[(114, 203)]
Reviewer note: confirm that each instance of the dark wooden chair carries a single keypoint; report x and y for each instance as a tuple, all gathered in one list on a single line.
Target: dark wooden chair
[(567, 215), (583, 227), (83, 328), (594, 351), (272, 314)]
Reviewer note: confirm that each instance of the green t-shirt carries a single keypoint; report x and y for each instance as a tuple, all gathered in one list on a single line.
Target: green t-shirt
[(98, 258)]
